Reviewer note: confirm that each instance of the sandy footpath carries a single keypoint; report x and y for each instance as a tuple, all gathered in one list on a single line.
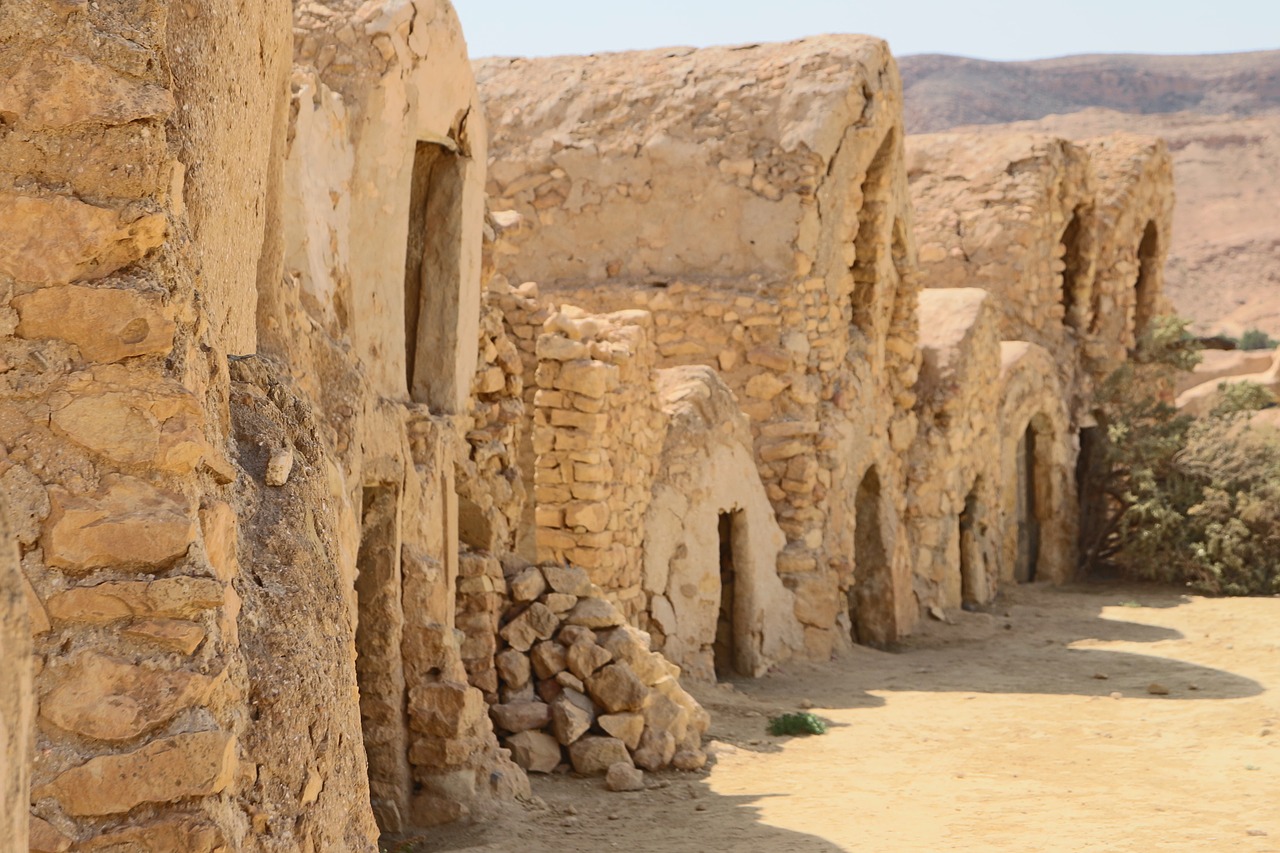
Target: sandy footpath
[(1031, 728)]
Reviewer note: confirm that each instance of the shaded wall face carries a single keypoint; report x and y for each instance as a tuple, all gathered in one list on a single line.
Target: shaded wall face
[(17, 700), (155, 532)]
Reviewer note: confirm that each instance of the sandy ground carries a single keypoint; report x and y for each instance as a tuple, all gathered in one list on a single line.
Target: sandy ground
[(1030, 728)]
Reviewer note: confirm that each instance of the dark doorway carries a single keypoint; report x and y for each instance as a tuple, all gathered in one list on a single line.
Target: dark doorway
[(433, 275), (971, 562), (1028, 510), (1096, 508), (1073, 269), (1144, 289), (379, 666), (726, 648), (871, 605)]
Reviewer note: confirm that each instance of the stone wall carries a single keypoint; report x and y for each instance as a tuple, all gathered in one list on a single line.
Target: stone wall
[(131, 473), (754, 202), (17, 702), (597, 434), (955, 514)]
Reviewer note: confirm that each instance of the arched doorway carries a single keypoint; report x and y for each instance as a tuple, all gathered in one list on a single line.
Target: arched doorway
[(871, 605), (1145, 288), (1034, 499), (877, 190), (726, 650)]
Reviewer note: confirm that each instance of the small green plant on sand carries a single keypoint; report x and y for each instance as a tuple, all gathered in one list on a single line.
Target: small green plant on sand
[(796, 724)]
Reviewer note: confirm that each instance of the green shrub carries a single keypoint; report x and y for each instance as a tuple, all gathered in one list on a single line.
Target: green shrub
[(1254, 339), (1177, 499), (797, 724)]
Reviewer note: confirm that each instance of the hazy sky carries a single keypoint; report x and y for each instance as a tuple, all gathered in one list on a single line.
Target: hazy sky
[(989, 29)]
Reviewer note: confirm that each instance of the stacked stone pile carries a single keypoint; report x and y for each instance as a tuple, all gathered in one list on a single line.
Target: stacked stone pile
[(577, 682)]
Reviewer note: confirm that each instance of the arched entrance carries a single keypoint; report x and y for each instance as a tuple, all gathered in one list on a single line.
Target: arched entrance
[(973, 564), (731, 535), (1033, 496), (1073, 267), (1145, 288), (871, 605)]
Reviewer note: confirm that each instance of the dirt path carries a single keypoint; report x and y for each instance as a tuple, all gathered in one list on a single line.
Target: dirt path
[(1028, 729)]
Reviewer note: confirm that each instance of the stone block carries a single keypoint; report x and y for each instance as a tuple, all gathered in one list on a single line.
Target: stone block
[(188, 834), (108, 699), (175, 635), (513, 667), (219, 528), (569, 580), (624, 776), (572, 715), (446, 709), (173, 598), (656, 749), (535, 623), (45, 838), (55, 90), (585, 658), (107, 324), (595, 613), (528, 585), (593, 516), (617, 688), (60, 240), (129, 524), (520, 716), (625, 727), (593, 756), (588, 378), (548, 658), (536, 752), (199, 764)]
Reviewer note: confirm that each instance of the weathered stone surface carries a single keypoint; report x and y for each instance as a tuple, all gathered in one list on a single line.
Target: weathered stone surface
[(53, 91), (528, 585), (593, 755), (595, 613), (549, 658), (520, 716), (128, 524), (624, 776), (570, 580), (219, 528), (534, 751), (574, 634), (173, 634), (514, 668), (59, 240), (45, 838), (585, 658), (625, 727), (189, 765), (559, 602), (175, 598), (445, 709), (133, 421), (689, 759), (571, 716), (113, 700), (107, 324), (535, 623), (656, 750), (188, 834), (617, 689)]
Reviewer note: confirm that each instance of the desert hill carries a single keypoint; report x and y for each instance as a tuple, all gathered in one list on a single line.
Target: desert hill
[(1221, 117)]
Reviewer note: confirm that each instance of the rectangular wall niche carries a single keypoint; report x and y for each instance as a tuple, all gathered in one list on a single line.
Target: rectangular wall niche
[(433, 276)]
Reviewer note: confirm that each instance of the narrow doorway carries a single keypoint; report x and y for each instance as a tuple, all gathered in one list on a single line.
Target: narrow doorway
[(726, 647), (379, 666), (1144, 289), (1095, 508), (433, 275), (871, 605), (1028, 511), (971, 562)]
